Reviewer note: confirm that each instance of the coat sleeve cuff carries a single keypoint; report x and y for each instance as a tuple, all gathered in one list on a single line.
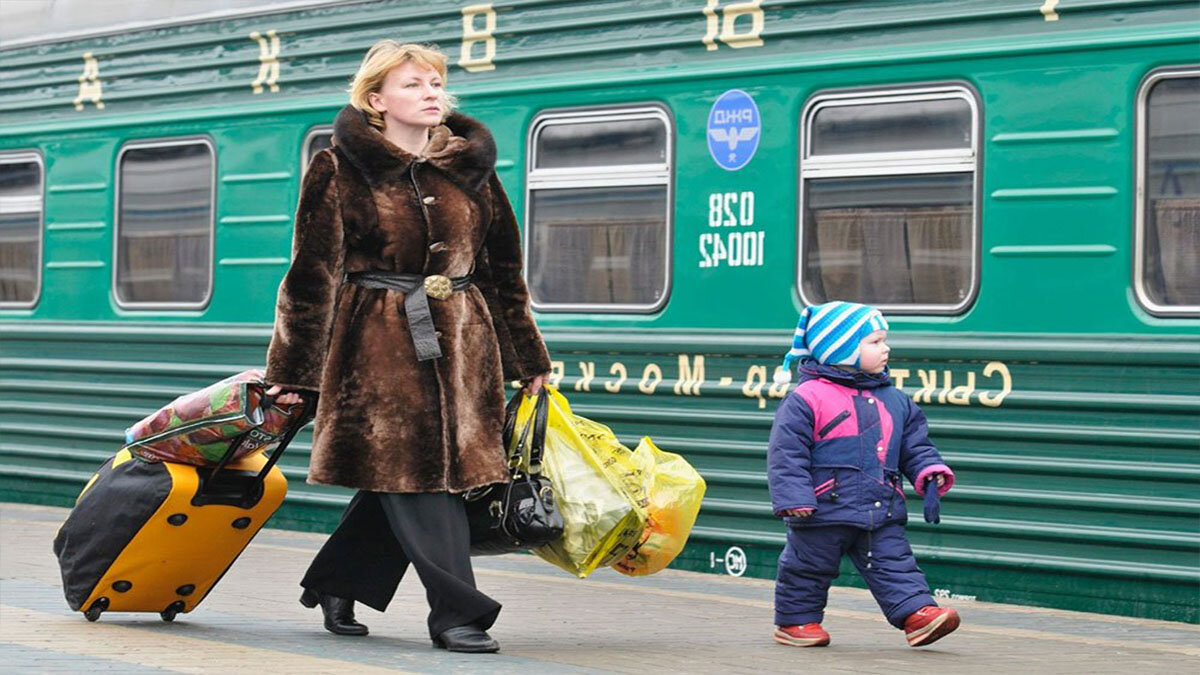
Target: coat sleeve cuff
[(291, 381), (530, 365), (919, 485)]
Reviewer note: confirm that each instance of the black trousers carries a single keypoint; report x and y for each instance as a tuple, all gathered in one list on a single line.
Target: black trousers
[(381, 533)]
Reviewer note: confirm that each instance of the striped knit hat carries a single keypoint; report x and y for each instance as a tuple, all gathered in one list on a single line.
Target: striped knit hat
[(830, 333)]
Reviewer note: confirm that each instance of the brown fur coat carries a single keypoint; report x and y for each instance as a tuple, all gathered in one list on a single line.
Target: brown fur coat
[(385, 421)]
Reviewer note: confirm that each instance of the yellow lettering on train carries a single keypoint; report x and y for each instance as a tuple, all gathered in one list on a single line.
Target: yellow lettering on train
[(473, 35), (587, 373), (729, 34), (713, 25), (929, 380), (1047, 10), (622, 374), (90, 87), (756, 378), (651, 377), (557, 370), (727, 24), (960, 395), (691, 376), (994, 400), (935, 386), (946, 384), (268, 62)]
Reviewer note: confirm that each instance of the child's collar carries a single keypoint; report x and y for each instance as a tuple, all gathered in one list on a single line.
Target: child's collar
[(810, 369)]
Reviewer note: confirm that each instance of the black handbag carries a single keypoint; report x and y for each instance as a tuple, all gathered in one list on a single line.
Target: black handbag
[(519, 514)]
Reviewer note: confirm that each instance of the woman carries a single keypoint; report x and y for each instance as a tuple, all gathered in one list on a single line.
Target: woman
[(405, 309)]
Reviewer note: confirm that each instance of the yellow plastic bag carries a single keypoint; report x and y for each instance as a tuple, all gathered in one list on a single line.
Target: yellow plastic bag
[(599, 487), (676, 490)]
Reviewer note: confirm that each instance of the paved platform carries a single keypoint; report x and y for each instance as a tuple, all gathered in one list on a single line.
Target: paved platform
[(551, 623)]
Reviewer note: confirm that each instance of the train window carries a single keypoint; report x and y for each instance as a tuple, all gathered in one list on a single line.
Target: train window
[(602, 143), (164, 224), (930, 124), (317, 140), (21, 209), (598, 206), (888, 190), (1167, 234)]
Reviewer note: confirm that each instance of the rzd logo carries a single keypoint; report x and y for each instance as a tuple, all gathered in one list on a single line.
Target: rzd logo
[(733, 130)]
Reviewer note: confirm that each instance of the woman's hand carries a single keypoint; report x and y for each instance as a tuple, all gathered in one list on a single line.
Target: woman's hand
[(287, 399), (799, 513), (534, 384)]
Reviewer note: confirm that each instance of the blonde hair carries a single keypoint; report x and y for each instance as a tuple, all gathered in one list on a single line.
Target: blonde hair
[(381, 58)]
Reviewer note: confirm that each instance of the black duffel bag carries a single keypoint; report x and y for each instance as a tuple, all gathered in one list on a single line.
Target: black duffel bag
[(519, 514)]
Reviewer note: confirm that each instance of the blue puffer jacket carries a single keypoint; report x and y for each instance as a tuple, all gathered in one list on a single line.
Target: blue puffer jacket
[(839, 444)]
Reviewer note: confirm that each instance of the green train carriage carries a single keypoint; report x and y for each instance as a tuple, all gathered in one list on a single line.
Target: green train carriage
[(1017, 183)]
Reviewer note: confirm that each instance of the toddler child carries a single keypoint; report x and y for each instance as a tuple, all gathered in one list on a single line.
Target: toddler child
[(839, 444)]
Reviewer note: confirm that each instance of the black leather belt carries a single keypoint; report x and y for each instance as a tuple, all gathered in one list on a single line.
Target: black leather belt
[(417, 289)]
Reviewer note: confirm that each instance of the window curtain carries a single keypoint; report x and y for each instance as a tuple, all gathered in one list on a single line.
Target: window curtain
[(164, 268), (1172, 255), (18, 269), (891, 256), (593, 262)]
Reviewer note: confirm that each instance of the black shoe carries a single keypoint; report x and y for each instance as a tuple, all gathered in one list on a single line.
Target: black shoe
[(339, 613), (468, 639)]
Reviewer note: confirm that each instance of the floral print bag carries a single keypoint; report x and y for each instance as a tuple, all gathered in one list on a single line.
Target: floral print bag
[(198, 428)]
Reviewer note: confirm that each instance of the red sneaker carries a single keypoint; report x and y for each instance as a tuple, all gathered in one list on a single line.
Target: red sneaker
[(808, 635), (929, 624)]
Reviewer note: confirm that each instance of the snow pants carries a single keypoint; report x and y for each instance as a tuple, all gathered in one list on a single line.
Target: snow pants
[(809, 564)]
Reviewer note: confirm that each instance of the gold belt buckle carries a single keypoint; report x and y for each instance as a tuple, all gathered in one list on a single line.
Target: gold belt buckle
[(438, 287)]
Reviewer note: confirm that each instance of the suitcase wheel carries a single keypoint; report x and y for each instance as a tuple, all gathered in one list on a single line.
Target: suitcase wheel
[(169, 613), (93, 613)]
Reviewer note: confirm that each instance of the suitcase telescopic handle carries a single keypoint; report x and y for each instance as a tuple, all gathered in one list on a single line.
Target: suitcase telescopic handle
[(308, 401)]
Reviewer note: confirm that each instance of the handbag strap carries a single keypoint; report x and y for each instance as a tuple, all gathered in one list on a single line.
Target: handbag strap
[(533, 434), (537, 445), (510, 417)]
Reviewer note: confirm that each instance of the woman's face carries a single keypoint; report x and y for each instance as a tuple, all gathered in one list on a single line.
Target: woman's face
[(411, 95)]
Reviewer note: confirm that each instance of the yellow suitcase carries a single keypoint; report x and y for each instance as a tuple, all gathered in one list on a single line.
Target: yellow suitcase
[(156, 537)]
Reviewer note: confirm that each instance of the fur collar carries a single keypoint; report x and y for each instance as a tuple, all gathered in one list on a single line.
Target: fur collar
[(462, 147)]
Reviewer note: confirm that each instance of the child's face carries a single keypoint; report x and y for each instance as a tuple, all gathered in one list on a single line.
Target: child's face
[(873, 352)]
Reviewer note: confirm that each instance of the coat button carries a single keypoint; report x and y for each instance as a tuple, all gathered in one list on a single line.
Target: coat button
[(437, 246), (879, 449), (877, 504), (429, 200), (871, 401)]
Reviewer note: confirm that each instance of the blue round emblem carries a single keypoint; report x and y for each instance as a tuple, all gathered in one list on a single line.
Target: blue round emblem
[(733, 129)]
